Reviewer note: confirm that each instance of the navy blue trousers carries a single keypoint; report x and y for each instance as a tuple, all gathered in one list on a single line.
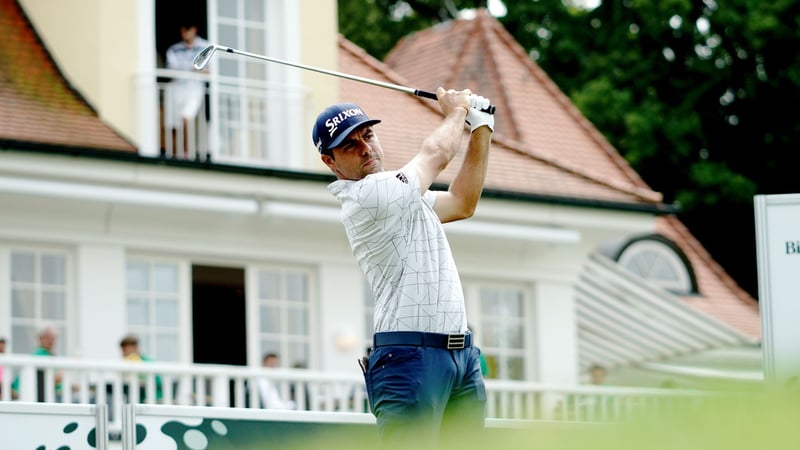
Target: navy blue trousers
[(423, 395)]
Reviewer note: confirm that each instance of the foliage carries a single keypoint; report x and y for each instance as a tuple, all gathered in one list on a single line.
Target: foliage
[(377, 25)]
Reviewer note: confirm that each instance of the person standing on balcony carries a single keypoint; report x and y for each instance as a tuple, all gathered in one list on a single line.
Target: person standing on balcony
[(423, 375), (184, 97)]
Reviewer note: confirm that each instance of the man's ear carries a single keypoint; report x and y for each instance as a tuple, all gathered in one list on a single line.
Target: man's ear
[(328, 161)]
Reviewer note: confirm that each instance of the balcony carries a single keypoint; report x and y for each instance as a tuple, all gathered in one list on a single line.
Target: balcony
[(237, 121), (117, 383)]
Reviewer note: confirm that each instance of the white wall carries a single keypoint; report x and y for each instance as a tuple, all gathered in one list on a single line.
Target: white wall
[(341, 316), (556, 342), (100, 277)]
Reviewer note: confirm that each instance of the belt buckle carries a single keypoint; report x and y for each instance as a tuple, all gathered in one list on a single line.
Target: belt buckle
[(456, 341)]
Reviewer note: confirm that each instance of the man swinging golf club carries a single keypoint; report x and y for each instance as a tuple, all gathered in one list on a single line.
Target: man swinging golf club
[(423, 375)]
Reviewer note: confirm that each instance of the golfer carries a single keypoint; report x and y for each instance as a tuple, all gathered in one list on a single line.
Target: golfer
[(423, 374)]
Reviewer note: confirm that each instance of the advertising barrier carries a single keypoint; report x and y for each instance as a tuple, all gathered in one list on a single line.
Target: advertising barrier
[(52, 426)]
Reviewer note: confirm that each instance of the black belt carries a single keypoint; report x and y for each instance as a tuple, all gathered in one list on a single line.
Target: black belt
[(448, 341)]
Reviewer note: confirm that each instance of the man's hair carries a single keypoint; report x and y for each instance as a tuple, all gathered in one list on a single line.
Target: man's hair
[(129, 340), (187, 22), (2, 340), (269, 355), (48, 329)]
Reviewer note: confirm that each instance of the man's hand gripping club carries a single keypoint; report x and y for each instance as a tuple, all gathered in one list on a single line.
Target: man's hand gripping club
[(476, 117)]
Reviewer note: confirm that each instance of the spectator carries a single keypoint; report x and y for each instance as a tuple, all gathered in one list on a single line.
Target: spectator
[(130, 352), (47, 342), (184, 96), (270, 397), (597, 374)]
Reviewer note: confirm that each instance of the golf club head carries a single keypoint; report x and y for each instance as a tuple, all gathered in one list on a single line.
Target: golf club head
[(201, 60)]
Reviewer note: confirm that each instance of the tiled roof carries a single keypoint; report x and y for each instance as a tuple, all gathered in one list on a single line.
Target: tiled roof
[(37, 105), (407, 120), (481, 55), (542, 143)]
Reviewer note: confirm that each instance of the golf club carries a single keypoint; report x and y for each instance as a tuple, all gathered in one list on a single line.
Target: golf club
[(202, 59)]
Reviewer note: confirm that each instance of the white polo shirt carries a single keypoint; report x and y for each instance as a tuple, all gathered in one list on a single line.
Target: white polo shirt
[(400, 245)]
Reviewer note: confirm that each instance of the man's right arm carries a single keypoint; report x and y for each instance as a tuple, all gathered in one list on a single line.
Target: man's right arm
[(439, 148)]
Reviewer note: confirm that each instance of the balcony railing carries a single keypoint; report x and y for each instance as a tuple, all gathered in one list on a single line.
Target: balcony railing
[(229, 120), (115, 383)]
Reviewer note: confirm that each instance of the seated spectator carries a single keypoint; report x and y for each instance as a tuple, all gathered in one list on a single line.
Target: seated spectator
[(270, 397)]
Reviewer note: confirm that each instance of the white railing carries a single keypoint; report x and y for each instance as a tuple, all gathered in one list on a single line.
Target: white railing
[(237, 121), (179, 137), (583, 403), (65, 380), (114, 383)]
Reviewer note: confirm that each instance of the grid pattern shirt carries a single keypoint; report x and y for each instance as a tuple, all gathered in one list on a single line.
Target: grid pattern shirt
[(400, 245)]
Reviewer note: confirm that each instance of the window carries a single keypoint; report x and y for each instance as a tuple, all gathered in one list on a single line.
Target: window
[(498, 314), (152, 309), (284, 314), (659, 261), (39, 284), (255, 103)]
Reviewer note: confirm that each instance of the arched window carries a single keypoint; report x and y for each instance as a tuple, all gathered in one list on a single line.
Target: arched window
[(658, 260)]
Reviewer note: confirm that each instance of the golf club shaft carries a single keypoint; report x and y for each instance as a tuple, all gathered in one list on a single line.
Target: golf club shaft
[(202, 60)]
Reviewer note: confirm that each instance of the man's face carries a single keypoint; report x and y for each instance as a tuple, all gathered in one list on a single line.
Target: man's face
[(188, 34), (129, 349), (270, 361), (47, 340), (359, 155)]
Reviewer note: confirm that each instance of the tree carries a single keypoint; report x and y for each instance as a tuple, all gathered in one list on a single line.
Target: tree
[(377, 25)]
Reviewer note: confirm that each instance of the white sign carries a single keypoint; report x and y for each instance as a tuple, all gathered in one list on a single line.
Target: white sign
[(778, 250), (49, 426)]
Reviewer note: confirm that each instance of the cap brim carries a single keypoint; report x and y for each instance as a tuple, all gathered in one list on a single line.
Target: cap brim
[(345, 133)]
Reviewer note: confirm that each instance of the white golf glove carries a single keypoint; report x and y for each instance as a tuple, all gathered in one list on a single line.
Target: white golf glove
[(477, 118)]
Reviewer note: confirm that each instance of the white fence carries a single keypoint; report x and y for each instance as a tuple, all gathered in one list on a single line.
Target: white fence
[(116, 383)]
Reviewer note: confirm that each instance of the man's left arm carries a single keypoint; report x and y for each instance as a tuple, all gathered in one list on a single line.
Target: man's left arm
[(461, 199)]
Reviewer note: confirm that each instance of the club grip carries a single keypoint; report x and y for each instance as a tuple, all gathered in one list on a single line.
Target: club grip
[(432, 96)]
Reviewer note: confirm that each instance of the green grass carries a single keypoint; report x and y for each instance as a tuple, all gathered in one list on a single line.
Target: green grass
[(732, 422)]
